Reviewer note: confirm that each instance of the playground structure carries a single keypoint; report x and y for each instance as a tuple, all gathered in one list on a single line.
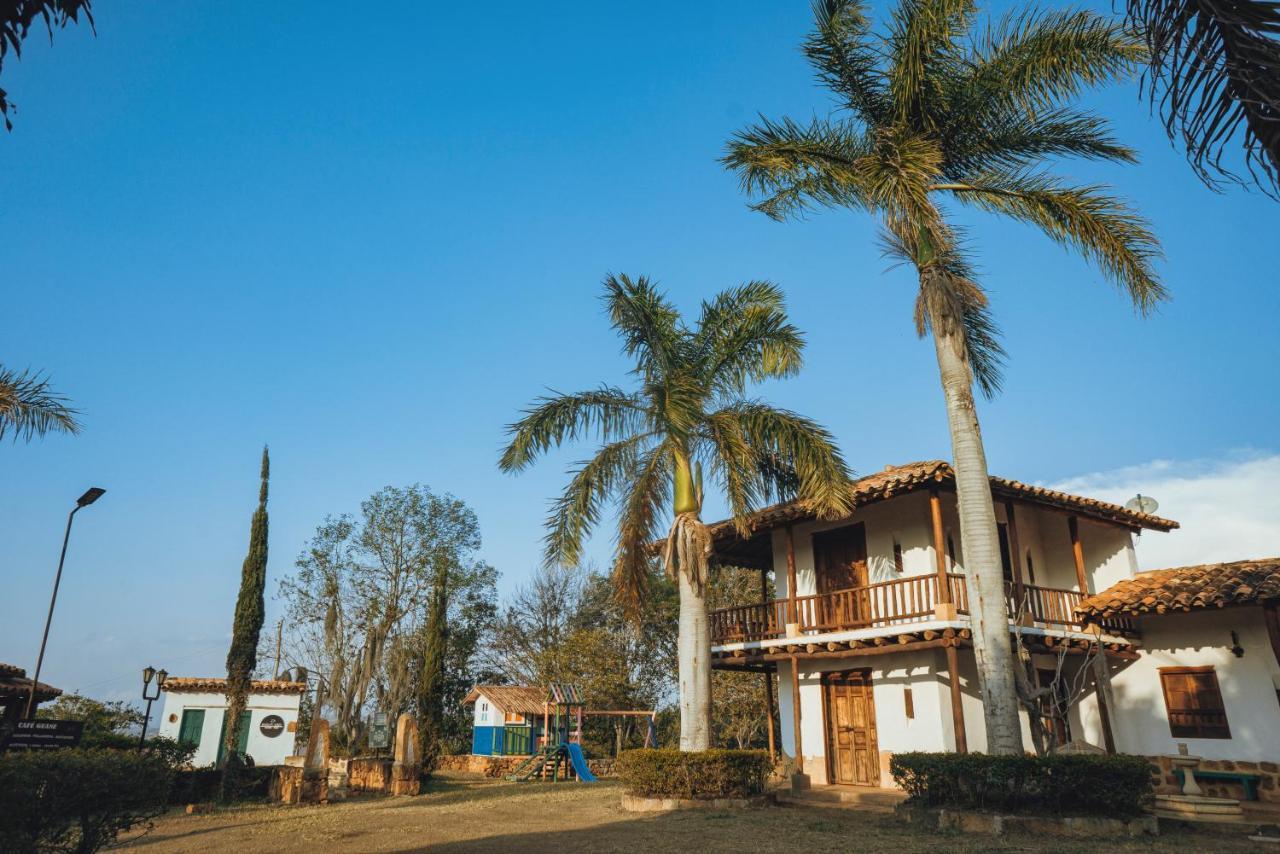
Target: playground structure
[(559, 753)]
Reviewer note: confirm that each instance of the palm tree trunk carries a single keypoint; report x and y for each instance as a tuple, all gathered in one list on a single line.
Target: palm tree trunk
[(694, 648), (980, 545)]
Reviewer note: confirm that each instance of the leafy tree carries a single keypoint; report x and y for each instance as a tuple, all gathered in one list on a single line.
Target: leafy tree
[(110, 723), (934, 112), (740, 715), (16, 18), (689, 411), (28, 407), (242, 657), (1213, 73)]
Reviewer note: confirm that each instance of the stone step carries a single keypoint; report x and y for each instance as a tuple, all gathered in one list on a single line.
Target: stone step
[(865, 798)]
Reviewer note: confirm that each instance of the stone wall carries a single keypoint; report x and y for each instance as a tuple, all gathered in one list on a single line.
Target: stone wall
[(500, 766), (1166, 783), (369, 775)]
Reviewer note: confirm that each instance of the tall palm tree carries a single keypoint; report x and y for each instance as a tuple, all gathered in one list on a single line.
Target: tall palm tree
[(688, 412), (934, 112), (1214, 70), (29, 407)]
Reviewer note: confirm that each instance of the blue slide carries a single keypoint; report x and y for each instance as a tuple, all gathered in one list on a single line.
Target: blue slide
[(580, 763)]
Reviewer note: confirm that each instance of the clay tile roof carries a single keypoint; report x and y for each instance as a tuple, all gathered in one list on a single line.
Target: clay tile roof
[(521, 699), (897, 480), (201, 685), (1186, 588), (14, 683)]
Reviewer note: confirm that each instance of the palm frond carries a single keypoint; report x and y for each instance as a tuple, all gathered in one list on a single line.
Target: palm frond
[(1215, 72), (841, 52), (29, 407), (1021, 139), (1034, 60), (575, 513), (744, 335), (923, 48), (647, 321), (648, 498), (610, 412), (1101, 227), (803, 444)]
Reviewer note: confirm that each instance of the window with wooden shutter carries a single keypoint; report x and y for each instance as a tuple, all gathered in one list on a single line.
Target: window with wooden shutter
[(1194, 702)]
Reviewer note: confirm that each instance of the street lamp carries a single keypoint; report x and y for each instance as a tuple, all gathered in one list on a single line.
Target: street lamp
[(149, 673), (90, 496)]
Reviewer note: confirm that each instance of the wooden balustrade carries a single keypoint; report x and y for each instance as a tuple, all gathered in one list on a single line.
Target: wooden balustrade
[(888, 603)]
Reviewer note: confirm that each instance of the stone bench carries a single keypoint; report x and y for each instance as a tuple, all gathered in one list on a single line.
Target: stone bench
[(1249, 782)]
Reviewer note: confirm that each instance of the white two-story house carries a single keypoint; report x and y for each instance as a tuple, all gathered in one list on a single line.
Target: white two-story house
[(869, 632)]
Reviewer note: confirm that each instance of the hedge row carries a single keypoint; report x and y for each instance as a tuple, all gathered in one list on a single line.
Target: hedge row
[(703, 775), (1067, 785)]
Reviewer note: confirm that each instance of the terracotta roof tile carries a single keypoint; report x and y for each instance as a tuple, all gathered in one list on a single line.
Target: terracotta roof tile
[(210, 685), (521, 699), (1186, 588), (897, 480), (14, 683)]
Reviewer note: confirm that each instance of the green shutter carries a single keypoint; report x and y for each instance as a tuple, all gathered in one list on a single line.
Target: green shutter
[(191, 727), (242, 740)]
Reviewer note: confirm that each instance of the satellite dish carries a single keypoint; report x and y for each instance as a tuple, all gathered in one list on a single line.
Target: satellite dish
[(1142, 504)]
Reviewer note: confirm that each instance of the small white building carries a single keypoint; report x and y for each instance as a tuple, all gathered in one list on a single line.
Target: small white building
[(195, 712)]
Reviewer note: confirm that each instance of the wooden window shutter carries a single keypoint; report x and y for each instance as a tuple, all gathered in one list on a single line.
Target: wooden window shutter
[(1193, 701)]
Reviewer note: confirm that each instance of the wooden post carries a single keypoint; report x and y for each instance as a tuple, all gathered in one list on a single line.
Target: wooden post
[(793, 615), (546, 724), (957, 699), (1077, 553), (1015, 557), (939, 548), (768, 678), (1271, 616), (1102, 688), (795, 714)]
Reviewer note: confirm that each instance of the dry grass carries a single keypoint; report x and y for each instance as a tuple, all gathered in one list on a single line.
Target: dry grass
[(465, 814)]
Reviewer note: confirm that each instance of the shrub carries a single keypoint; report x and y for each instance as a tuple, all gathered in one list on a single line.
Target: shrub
[(202, 785), (1067, 784), (703, 775), (78, 800)]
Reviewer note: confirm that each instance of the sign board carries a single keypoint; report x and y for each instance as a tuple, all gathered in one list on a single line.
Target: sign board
[(379, 731), (271, 726), (43, 735)]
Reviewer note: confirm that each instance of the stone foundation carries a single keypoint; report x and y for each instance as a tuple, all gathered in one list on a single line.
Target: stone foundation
[(1040, 826), (1165, 783), (637, 803), (497, 767), (369, 775), (406, 778), (286, 784)]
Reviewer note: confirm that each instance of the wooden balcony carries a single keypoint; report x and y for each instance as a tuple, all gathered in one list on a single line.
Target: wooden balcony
[(889, 603)]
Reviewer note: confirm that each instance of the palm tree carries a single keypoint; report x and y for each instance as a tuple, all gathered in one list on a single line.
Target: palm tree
[(931, 112), (1213, 71), (28, 407), (688, 412)]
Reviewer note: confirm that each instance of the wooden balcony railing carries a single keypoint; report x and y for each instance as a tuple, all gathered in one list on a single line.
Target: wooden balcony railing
[(889, 603)]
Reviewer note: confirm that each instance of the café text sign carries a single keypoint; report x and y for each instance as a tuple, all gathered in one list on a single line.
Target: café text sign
[(43, 735)]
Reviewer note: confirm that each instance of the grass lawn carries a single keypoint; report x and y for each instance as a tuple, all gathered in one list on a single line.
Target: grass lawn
[(467, 814)]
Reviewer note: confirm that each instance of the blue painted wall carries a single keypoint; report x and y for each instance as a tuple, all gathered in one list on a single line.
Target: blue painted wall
[(486, 740)]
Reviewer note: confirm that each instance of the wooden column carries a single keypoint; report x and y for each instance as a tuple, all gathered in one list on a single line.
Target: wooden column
[(795, 714), (1102, 688), (1271, 616), (793, 615), (957, 702), (768, 677), (939, 547), (1077, 553), (1015, 557)]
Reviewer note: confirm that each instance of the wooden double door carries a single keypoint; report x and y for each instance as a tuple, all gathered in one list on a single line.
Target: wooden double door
[(840, 564), (853, 755)]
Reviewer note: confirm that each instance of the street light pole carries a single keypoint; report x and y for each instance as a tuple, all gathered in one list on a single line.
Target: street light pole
[(90, 496), (149, 673)]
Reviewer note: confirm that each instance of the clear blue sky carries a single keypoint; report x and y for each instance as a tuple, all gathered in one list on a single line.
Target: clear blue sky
[(370, 240)]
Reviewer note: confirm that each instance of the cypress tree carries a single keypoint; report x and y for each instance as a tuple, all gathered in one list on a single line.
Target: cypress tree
[(430, 694), (242, 657)]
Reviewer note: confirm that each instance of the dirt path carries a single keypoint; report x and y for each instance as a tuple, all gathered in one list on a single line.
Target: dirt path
[(462, 814)]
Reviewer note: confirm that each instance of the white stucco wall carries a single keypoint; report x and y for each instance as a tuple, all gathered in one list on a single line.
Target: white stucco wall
[(490, 716), (264, 750), (1196, 639)]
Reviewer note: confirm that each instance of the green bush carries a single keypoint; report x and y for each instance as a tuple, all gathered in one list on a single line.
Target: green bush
[(1068, 785), (202, 785), (704, 775), (78, 800)]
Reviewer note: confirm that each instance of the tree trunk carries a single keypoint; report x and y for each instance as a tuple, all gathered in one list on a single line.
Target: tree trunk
[(980, 546), (694, 646)]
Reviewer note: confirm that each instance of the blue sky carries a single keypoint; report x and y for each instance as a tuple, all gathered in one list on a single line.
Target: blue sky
[(369, 241)]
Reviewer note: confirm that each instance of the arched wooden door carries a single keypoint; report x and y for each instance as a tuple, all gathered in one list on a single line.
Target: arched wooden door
[(853, 754)]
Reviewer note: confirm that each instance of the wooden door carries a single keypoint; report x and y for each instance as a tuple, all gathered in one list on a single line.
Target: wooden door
[(840, 562), (853, 755)]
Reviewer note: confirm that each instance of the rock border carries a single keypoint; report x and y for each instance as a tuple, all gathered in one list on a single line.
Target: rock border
[(640, 803), (1074, 827)]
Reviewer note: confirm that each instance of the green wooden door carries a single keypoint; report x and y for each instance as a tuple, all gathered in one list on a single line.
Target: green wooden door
[(191, 727), (242, 742)]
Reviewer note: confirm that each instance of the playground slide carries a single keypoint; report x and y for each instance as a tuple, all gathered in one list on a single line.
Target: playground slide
[(580, 764)]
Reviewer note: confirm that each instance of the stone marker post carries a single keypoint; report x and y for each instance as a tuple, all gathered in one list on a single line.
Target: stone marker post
[(315, 771), (406, 770)]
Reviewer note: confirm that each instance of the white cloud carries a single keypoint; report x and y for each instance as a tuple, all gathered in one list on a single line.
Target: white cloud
[(1229, 508)]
